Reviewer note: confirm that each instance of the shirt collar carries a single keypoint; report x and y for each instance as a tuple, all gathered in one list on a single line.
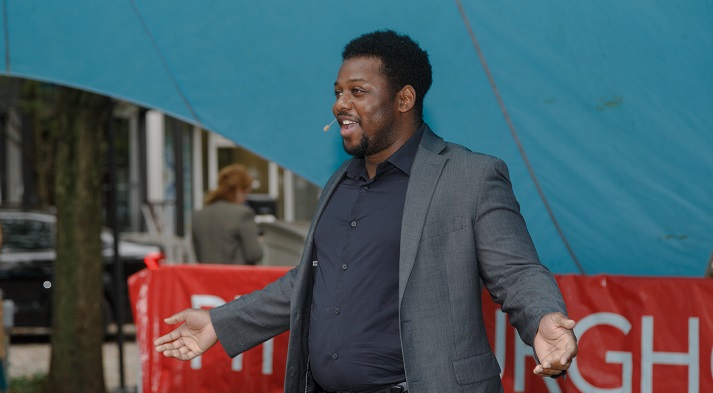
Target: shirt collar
[(401, 159)]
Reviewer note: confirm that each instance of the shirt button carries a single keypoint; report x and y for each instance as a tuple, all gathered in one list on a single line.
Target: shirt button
[(344, 266), (337, 311), (366, 187), (335, 356), (353, 224)]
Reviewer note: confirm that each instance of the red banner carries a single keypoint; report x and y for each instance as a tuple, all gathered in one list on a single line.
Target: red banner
[(157, 294), (635, 334)]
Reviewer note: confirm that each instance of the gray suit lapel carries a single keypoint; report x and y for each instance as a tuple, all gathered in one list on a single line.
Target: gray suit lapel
[(329, 188), (425, 172)]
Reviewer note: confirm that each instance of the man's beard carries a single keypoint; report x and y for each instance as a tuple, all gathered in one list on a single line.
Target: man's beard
[(383, 139)]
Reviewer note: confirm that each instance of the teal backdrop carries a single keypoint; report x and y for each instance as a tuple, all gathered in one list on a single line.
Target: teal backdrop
[(606, 106)]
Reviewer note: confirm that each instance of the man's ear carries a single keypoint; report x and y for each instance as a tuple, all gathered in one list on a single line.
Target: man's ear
[(407, 98)]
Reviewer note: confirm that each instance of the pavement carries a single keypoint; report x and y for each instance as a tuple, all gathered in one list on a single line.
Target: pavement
[(27, 359)]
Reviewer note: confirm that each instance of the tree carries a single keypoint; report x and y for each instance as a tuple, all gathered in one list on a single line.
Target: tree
[(79, 122), (40, 118)]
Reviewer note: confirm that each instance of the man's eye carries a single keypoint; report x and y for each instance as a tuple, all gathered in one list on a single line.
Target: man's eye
[(337, 93), (356, 91)]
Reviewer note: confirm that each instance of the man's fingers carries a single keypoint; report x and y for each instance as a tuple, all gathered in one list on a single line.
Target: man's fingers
[(553, 366), (180, 351), (570, 351), (566, 360), (562, 320), (161, 340), (183, 342), (539, 370), (170, 337), (549, 371), (569, 323), (175, 318), (168, 346), (174, 353), (173, 335), (180, 348)]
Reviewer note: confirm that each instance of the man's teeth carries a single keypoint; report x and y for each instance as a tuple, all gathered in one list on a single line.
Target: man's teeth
[(347, 122)]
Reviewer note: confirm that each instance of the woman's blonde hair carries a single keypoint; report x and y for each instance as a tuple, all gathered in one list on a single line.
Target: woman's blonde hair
[(230, 179)]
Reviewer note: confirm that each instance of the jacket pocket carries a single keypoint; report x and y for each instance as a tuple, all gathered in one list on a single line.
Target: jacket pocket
[(476, 368), (443, 226)]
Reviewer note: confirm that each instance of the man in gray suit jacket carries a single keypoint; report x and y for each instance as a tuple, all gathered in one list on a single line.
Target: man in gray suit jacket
[(387, 296)]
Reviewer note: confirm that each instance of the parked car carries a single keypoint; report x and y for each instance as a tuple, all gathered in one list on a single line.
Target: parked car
[(27, 262)]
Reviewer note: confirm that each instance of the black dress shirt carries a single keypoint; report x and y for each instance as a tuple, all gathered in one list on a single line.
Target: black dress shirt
[(354, 340)]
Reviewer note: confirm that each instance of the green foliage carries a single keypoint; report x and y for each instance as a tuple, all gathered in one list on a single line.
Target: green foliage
[(33, 384)]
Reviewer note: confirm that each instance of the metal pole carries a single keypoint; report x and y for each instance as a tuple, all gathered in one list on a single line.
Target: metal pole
[(118, 262)]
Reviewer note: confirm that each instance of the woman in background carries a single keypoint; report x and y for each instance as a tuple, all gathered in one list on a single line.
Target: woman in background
[(224, 231)]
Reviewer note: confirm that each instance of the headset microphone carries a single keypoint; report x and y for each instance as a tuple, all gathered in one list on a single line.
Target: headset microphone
[(326, 128)]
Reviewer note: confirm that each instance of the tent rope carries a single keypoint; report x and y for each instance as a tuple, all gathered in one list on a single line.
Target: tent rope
[(164, 63), (515, 136), (7, 36)]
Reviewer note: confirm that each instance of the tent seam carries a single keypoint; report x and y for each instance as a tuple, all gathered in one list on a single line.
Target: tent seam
[(164, 63), (7, 36), (515, 136)]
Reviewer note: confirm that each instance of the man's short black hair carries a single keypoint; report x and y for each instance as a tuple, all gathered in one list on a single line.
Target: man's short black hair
[(404, 62)]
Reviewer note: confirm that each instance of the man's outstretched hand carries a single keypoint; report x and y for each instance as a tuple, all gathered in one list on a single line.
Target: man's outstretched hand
[(555, 344), (190, 340)]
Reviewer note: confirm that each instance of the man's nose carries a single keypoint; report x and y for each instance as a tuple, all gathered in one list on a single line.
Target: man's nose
[(343, 102)]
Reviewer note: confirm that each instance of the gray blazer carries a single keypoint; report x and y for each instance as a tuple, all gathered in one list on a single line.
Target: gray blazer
[(461, 229), (226, 232)]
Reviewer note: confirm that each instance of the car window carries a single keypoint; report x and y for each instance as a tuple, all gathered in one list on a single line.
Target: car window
[(27, 235)]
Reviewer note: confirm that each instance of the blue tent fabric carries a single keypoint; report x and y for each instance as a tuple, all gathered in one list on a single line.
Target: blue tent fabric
[(611, 102)]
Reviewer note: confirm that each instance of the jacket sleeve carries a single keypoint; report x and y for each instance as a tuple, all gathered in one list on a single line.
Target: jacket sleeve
[(248, 232), (256, 317), (511, 269)]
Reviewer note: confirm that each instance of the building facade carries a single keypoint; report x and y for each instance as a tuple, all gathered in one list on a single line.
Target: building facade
[(164, 167)]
